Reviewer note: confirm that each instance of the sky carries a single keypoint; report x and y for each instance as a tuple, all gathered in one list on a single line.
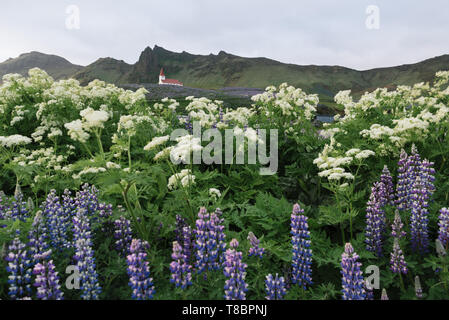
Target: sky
[(359, 34)]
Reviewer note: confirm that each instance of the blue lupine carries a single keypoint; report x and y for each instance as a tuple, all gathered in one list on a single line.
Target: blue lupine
[(301, 252), (139, 271), (255, 250), (84, 256), (201, 241), (397, 260), (402, 191), (187, 243), (419, 218), (235, 270), (443, 232), (57, 221), (87, 198), (351, 276), (396, 227), (209, 240), (47, 282), (216, 231), (179, 226), (122, 235), (375, 219), (181, 274), (275, 287), (39, 249), (387, 180), (427, 174), (19, 266)]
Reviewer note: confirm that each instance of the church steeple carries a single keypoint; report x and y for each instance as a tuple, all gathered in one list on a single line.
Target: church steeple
[(161, 76)]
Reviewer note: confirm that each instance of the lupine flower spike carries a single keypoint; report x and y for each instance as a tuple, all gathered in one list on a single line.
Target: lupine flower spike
[(387, 180), (396, 227), (443, 232), (84, 256), (139, 271), (20, 269), (181, 274), (419, 218), (47, 282), (375, 219), (235, 270), (352, 278), (255, 250), (275, 287), (122, 235), (397, 261), (403, 182), (301, 252)]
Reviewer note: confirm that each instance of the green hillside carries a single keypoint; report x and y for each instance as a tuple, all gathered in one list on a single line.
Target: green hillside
[(227, 70)]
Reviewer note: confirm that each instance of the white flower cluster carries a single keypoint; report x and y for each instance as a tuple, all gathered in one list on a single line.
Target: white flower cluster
[(291, 102), (183, 149), (157, 141), (214, 193), (185, 178), (14, 140), (88, 170), (387, 120)]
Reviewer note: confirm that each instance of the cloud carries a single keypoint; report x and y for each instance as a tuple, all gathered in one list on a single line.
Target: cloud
[(300, 32)]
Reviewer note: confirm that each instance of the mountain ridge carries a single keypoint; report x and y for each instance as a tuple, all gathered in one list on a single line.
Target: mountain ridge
[(221, 70)]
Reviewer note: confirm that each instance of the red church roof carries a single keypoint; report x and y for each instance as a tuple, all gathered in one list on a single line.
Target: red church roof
[(172, 81), (162, 72)]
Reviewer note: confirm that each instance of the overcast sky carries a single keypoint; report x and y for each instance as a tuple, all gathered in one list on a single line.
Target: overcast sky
[(326, 32)]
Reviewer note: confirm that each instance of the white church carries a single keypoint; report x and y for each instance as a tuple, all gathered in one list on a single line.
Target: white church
[(171, 82)]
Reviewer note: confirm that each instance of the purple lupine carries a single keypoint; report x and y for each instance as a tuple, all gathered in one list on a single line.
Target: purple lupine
[(139, 271), (209, 240), (47, 282), (403, 182), (255, 250), (234, 269), (352, 278), (216, 227), (84, 256), (17, 208), (384, 295), (179, 226), (187, 243), (104, 210), (20, 268), (443, 232), (418, 288), (387, 180), (57, 221), (427, 174), (39, 249), (275, 287), (301, 252), (201, 241), (87, 198), (419, 218), (181, 274), (397, 260), (122, 235), (396, 227), (68, 203), (375, 219)]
